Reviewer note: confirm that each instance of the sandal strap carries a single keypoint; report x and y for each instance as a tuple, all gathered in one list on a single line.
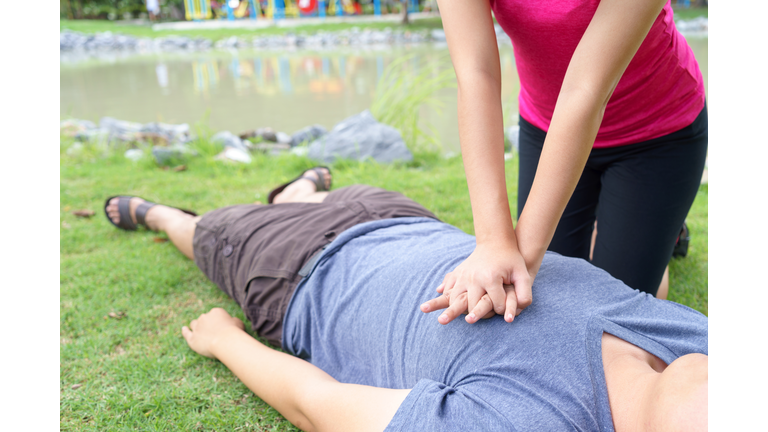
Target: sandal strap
[(320, 181), (141, 212), (124, 208)]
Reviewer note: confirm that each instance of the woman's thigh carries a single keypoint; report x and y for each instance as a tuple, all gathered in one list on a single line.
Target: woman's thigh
[(645, 195)]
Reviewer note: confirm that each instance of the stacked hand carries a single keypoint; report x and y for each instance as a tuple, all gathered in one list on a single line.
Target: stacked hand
[(492, 280)]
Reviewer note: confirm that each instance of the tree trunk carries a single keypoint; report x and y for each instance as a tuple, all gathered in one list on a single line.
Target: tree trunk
[(404, 4)]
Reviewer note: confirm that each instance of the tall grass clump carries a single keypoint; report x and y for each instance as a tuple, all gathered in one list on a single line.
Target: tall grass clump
[(408, 84)]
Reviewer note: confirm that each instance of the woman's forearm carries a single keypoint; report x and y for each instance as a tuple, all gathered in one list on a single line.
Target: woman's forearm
[(565, 152), (481, 133)]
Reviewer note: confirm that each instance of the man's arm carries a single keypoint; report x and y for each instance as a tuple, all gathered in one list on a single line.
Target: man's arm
[(305, 395)]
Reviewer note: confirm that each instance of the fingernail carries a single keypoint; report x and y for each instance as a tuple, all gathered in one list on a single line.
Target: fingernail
[(510, 317), (425, 307), (471, 316), (443, 317)]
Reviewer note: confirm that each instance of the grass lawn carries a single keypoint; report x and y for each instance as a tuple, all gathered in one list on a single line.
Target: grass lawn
[(125, 296), (94, 26)]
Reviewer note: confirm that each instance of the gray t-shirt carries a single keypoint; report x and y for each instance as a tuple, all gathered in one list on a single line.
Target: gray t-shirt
[(357, 317)]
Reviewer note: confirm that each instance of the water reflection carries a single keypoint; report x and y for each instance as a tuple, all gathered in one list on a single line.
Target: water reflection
[(241, 90)]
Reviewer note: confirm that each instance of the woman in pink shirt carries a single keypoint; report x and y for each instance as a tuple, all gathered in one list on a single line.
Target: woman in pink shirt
[(613, 127)]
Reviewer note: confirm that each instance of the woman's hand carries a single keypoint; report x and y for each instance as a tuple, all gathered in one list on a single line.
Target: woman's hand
[(203, 333), (479, 283)]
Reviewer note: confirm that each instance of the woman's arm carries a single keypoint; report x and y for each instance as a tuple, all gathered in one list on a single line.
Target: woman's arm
[(496, 260), (608, 45), (305, 395)]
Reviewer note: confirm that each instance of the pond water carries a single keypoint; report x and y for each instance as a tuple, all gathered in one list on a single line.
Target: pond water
[(242, 90)]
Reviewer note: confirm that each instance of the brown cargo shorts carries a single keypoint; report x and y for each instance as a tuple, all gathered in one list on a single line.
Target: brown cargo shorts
[(254, 253)]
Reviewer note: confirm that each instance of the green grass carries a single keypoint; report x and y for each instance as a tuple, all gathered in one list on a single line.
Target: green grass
[(145, 30), (686, 14), (136, 372)]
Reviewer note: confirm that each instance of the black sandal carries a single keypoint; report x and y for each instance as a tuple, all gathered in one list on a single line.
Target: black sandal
[(123, 206), (319, 183)]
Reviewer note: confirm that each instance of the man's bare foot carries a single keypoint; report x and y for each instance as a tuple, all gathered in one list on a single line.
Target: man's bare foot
[(114, 213)]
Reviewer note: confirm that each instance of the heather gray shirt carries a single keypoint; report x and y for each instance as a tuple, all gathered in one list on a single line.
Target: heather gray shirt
[(357, 317)]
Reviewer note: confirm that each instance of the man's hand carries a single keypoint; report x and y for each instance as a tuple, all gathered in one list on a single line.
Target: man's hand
[(203, 333), (479, 284)]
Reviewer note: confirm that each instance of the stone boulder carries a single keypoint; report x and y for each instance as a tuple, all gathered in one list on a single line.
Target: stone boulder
[(360, 137)]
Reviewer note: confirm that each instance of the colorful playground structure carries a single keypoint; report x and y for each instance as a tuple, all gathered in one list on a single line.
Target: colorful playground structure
[(198, 10)]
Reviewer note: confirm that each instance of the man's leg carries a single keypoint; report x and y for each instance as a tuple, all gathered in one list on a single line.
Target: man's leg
[(180, 226), (304, 190)]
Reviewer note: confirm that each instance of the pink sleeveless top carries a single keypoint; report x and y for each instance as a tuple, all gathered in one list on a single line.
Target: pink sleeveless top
[(661, 91)]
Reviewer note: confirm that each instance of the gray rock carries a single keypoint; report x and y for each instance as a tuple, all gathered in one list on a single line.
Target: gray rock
[(283, 138), (438, 35), (172, 154), (116, 126), (360, 137), (308, 134), (93, 135), (234, 154), (271, 148), (170, 133), (228, 139), (134, 154)]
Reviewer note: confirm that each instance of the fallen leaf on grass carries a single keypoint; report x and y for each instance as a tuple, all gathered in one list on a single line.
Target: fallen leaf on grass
[(67, 208), (65, 225), (258, 202), (76, 386), (119, 350), (83, 213), (117, 315), (160, 240), (180, 168)]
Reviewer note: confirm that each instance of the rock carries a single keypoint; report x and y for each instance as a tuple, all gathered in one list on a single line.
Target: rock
[(72, 127), (513, 135), (283, 138), (234, 154), (120, 130), (271, 148), (698, 24), (307, 135), (438, 35), (93, 135), (360, 137), (134, 154), (267, 134), (172, 155), (228, 139)]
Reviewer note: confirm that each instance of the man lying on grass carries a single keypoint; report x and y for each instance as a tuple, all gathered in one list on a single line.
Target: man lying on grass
[(338, 278)]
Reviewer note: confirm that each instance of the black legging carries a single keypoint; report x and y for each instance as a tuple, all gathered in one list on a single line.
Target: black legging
[(640, 195)]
